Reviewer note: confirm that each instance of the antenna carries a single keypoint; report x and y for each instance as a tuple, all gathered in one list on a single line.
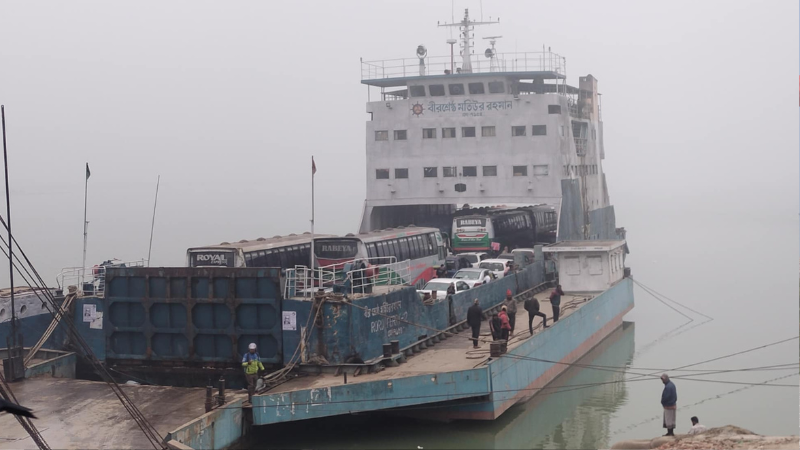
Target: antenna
[(466, 26), (152, 225)]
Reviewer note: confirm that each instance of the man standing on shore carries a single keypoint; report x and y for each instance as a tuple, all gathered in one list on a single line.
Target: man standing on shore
[(669, 400)]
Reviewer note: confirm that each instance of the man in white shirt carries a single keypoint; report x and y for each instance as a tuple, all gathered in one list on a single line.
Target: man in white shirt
[(696, 427)]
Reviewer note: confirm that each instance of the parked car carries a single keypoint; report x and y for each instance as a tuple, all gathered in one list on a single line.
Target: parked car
[(474, 258), (440, 285), (454, 263), (505, 256), (473, 276), (499, 267), (528, 252)]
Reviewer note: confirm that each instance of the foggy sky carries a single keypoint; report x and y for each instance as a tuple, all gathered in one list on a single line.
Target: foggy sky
[(228, 101)]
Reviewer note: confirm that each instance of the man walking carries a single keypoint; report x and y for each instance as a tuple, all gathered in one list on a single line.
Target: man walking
[(555, 301), (532, 306), (474, 314), (511, 309), (252, 364), (669, 399)]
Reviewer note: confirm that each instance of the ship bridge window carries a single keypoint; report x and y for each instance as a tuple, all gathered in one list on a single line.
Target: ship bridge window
[(382, 135), (400, 135), (467, 131), (448, 132), (382, 174), (520, 171), (497, 87), (429, 133), (449, 172), (518, 131), (490, 171), (476, 88), (539, 130), (417, 91), (437, 90), (430, 172), (456, 89), (541, 170), (488, 131), (469, 171), (400, 173), (553, 109)]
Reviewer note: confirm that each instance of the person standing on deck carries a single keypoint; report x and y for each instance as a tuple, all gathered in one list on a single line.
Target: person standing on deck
[(495, 325), (451, 290), (555, 302), (505, 326), (511, 309), (669, 399), (532, 306), (474, 315), (252, 364)]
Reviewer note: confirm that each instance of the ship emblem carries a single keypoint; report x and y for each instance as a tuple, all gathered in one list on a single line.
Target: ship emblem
[(416, 109)]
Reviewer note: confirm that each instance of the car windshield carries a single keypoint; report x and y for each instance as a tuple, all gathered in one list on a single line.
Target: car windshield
[(492, 266), (463, 275), (436, 286), (471, 258)]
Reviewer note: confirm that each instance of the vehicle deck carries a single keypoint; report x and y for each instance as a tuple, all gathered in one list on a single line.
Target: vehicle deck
[(454, 354), (87, 414)]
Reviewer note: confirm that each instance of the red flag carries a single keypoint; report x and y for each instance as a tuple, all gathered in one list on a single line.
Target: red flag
[(313, 166)]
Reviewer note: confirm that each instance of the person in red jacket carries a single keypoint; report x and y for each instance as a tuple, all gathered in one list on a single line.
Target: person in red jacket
[(505, 326)]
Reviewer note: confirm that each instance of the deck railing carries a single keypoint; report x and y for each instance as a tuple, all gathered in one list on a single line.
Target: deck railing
[(302, 282), (91, 280)]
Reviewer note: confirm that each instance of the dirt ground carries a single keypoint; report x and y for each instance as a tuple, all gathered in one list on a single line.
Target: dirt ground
[(728, 437)]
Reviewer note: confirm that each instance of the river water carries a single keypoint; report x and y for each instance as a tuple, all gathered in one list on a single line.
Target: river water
[(750, 292)]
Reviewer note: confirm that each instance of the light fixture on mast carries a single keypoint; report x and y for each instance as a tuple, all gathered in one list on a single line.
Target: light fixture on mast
[(466, 26), (452, 42), (422, 52), (491, 53)]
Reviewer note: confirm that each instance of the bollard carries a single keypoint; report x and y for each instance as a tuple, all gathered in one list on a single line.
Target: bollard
[(387, 350), (494, 349), (221, 396), (209, 398), (395, 347), (345, 377)]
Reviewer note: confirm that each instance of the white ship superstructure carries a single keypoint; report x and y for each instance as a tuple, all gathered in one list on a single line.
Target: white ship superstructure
[(498, 129)]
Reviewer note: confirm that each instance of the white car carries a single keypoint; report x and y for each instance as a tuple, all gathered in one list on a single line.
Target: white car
[(528, 252), (440, 285), (474, 276), (474, 257), (497, 266)]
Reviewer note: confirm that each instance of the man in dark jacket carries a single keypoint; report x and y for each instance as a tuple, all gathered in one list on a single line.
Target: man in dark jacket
[(669, 399), (532, 306), (555, 302), (474, 314), (495, 325), (451, 290)]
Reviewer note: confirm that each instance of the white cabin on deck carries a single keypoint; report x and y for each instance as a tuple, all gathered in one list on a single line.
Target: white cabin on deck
[(588, 266)]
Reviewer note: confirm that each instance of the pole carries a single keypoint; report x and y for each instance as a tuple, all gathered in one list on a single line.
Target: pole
[(10, 250), (313, 170), (152, 225), (85, 223)]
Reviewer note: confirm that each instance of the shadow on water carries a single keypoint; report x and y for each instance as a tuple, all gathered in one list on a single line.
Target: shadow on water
[(563, 417)]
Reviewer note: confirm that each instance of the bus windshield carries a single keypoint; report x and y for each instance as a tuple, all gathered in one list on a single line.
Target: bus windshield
[(211, 258)]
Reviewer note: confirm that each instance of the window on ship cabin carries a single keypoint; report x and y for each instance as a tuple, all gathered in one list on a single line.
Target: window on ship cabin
[(490, 171), (469, 171), (401, 173), (436, 90), (417, 91), (476, 88), (539, 130), (456, 89), (553, 109), (400, 135), (449, 172), (497, 87), (448, 132), (541, 170), (467, 131), (382, 174), (520, 171), (518, 131), (430, 172), (487, 131), (429, 133), (382, 135)]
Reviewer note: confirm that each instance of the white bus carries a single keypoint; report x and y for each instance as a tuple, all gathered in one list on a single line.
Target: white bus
[(279, 251)]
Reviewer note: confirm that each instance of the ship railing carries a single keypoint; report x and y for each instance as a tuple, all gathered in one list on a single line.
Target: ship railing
[(300, 281), (437, 65), (91, 280)]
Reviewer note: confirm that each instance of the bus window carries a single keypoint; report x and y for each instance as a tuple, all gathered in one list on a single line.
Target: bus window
[(422, 244), (282, 256), (413, 241), (272, 258), (247, 259), (371, 250), (404, 251), (432, 243)]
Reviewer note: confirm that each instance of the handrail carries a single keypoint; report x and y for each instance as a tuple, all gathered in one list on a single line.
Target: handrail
[(93, 276)]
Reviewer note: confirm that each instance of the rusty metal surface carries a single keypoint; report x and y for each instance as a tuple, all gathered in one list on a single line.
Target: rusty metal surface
[(192, 315)]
